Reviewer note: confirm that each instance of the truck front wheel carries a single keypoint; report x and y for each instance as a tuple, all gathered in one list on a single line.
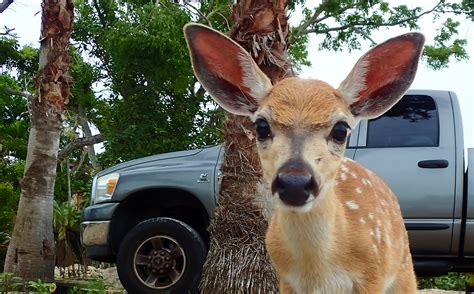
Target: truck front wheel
[(161, 255)]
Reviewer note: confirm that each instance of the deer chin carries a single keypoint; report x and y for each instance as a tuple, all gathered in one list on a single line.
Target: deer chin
[(296, 208)]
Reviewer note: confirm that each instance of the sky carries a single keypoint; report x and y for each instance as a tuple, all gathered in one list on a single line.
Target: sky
[(332, 67)]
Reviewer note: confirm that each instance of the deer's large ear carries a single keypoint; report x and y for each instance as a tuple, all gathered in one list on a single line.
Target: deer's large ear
[(381, 76), (226, 70)]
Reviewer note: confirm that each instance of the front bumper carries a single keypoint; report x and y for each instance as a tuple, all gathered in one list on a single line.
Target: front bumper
[(95, 226), (94, 232)]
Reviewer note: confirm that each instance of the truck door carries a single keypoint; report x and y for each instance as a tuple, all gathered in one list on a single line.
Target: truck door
[(415, 156)]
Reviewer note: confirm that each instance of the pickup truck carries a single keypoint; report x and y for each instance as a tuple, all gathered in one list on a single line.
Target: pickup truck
[(150, 215)]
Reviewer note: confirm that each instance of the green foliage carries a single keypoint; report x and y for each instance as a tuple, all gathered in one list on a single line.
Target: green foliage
[(91, 286), (298, 52), (346, 23), (439, 54), (66, 220), (151, 104), (452, 281), (8, 282), (39, 286)]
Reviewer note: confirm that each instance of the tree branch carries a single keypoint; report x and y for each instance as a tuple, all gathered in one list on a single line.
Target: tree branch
[(19, 93), (356, 24), (4, 5), (310, 21), (82, 117), (79, 143), (7, 31)]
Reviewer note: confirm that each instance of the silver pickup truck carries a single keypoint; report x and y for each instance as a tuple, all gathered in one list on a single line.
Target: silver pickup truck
[(150, 215)]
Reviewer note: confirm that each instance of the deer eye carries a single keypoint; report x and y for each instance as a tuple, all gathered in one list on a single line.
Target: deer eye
[(263, 129), (339, 132)]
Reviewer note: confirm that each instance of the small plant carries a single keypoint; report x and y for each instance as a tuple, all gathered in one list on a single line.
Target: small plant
[(8, 282), (452, 281), (41, 287)]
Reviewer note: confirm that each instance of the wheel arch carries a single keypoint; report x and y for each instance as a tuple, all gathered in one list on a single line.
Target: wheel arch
[(157, 202)]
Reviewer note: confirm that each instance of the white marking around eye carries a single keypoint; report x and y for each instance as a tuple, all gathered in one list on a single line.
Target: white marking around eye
[(352, 204)]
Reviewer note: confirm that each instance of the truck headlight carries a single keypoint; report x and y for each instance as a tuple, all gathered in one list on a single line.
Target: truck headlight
[(103, 188)]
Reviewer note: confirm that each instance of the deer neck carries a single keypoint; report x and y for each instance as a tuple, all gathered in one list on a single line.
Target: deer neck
[(313, 234)]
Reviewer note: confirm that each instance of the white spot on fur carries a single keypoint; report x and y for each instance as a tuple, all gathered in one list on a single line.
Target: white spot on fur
[(343, 176), (364, 181), (352, 204), (378, 235), (371, 215), (374, 247), (371, 232), (354, 175), (344, 168), (379, 223), (362, 220), (359, 190)]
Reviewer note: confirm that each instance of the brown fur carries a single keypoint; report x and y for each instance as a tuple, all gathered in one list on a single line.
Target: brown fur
[(347, 243), (353, 237), (304, 104)]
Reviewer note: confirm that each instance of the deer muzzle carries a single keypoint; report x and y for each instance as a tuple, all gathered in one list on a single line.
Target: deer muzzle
[(294, 183)]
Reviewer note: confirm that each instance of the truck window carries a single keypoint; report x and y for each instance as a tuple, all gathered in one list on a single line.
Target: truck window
[(412, 122)]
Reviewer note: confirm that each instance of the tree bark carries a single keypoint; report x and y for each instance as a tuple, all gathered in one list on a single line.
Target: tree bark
[(30, 253), (237, 260)]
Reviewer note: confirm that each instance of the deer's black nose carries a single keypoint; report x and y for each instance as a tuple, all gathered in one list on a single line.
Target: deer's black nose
[(294, 184)]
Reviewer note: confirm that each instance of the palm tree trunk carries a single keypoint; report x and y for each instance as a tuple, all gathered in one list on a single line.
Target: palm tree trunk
[(30, 253), (237, 260)]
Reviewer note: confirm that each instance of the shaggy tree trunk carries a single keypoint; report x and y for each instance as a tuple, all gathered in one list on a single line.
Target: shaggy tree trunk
[(237, 260), (31, 251)]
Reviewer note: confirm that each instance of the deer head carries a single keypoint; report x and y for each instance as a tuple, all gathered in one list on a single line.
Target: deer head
[(302, 125)]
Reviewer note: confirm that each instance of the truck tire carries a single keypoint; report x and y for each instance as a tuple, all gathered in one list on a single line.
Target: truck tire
[(161, 255)]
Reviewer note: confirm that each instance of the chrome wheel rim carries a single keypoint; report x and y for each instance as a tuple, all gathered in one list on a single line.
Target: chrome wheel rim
[(159, 262)]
